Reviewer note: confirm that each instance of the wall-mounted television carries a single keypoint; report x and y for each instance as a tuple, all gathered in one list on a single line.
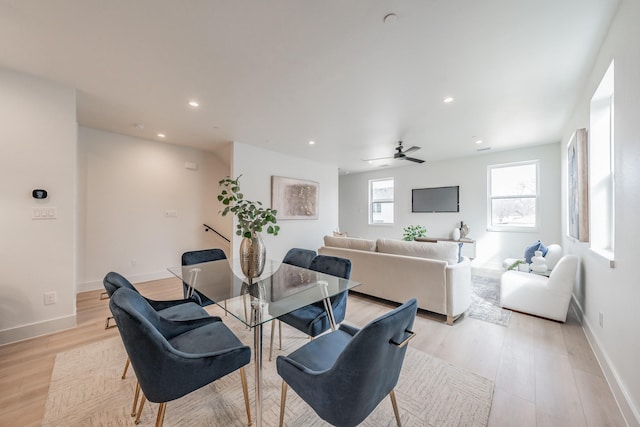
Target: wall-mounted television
[(437, 199)]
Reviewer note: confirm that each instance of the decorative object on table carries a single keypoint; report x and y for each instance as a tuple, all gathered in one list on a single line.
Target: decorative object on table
[(538, 263), (413, 232), (295, 198), (516, 265), (530, 251), (252, 218), (464, 230), (455, 234), (578, 188)]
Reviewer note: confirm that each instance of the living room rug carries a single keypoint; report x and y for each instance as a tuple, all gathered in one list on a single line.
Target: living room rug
[(485, 301), (86, 390)]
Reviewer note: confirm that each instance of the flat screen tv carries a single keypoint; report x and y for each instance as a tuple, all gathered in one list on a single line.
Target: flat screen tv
[(437, 199)]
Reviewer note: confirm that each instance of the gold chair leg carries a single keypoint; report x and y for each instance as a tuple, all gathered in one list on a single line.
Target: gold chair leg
[(106, 324), (273, 330), (392, 395), (283, 400), (135, 399), (126, 367), (245, 392), (280, 333), (144, 399), (161, 410)]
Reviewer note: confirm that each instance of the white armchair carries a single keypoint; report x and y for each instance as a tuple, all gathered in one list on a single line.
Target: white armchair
[(540, 295)]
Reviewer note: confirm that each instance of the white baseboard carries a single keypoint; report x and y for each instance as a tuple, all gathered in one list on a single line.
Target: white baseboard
[(33, 330), (630, 413), (138, 278)]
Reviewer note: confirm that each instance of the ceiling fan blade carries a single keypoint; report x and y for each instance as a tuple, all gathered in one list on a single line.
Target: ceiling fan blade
[(413, 159), (411, 149), (377, 158)]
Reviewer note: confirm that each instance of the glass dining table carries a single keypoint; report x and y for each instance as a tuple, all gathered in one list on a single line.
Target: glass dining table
[(280, 289)]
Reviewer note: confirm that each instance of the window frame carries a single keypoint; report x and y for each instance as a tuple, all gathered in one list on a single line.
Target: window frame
[(536, 196), (602, 176), (370, 208)]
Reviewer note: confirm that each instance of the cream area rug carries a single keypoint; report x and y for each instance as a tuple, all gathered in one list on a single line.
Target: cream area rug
[(86, 390)]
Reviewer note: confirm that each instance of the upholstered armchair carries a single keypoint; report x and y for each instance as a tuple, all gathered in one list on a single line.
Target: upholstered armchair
[(299, 257), (345, 374), (313, 319), (173, 358), (181, 309), (539, 295), (197, 257)]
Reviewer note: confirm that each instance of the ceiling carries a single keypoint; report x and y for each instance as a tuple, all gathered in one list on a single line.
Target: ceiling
[(281, 73)]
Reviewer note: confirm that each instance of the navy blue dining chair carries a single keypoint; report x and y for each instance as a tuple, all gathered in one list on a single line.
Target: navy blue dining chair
[(173, 358), (300, 258), (197, 257), (181, 309), (345, 374), (313, 319)]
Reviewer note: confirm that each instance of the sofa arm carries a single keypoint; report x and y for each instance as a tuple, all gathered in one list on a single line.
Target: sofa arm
[(458, 282)]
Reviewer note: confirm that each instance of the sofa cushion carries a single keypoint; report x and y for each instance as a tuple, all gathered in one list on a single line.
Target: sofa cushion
[(442, 251), (350, 243), (530, 251)]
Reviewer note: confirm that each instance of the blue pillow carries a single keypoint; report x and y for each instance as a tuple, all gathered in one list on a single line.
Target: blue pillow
[(531, 250)]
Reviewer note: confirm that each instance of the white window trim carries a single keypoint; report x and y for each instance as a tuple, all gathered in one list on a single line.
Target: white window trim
[(514, 228), (369, 206)]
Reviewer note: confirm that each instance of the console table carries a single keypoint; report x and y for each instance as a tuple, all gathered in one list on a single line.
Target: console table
[(468, 245)]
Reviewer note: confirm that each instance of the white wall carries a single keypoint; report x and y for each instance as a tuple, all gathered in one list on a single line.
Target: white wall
[(127, 185), (615, 292), (470, 173), (257, 166), (38, 150)]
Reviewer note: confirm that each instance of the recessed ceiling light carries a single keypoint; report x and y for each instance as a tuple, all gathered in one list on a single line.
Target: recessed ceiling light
[(447, 100), (194, 104), (312, 142), (162, 135)]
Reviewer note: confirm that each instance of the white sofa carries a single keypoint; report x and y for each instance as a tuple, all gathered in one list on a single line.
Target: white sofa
[(395, 270), (540, 295)]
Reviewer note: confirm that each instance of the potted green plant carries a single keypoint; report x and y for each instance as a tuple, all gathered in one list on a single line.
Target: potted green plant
[(414, 232), (252, 219)]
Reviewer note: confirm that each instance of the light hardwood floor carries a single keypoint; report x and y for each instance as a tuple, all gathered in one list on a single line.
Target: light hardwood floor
[(545, 373)]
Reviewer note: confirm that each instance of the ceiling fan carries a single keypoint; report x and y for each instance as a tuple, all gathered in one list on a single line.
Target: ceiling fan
[(401, 154)]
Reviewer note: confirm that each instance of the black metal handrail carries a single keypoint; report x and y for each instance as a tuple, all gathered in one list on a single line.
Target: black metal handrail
[(208, 227)]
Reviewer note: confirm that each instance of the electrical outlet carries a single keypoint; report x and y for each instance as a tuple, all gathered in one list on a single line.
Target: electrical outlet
[(171, 213), (49, 298), (601, 319)]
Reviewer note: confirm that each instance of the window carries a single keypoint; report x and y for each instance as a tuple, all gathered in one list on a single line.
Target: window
[(381, 201), (513, 195), (601, 171)]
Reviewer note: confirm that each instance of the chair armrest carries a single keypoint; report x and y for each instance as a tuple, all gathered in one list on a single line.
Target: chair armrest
[(161, 305), (351, 330), (178, 327)]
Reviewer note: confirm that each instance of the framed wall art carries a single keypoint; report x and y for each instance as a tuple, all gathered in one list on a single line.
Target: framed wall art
[(294, 198), (578, 187)]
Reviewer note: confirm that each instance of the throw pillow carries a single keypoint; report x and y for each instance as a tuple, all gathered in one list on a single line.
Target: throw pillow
[(530, 251)]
